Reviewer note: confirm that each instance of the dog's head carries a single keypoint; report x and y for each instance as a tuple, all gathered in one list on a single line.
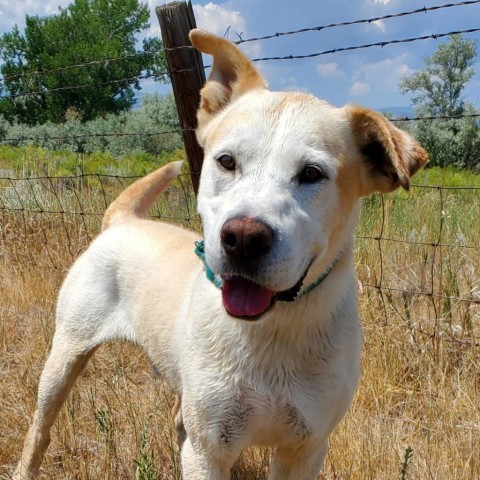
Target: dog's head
[(282, 177)]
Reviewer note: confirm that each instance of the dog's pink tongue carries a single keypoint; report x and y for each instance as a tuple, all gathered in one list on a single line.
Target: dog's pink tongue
[(243, 298)]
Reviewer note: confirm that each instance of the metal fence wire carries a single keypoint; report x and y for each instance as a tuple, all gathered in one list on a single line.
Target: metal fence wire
[(413, 250), (50, 220), (416, 254)]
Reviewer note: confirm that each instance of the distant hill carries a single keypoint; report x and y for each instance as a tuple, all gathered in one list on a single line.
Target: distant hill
[(160, 88), (398, 112)]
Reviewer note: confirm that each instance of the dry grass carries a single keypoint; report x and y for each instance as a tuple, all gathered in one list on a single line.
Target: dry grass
[(420, 385)]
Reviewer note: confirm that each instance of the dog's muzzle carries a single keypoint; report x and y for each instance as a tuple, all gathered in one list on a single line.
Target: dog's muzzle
[(245, 240)]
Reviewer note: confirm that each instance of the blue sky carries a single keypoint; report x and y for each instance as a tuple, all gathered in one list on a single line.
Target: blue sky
[(369, 77)]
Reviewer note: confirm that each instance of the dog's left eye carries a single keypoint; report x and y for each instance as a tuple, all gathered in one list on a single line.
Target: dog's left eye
[(227, 162), (311, 174)]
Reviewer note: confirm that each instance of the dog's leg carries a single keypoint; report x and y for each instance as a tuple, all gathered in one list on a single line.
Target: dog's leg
[(64, 365), (198, 465), (302, 463)]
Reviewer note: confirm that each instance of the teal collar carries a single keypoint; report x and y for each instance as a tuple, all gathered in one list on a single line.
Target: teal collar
[(217, 281), (200, 253)]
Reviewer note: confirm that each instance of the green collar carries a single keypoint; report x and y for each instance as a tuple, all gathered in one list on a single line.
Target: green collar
[(217, 281)]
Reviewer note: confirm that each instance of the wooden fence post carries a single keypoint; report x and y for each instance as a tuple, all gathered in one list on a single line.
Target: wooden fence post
[(186, 73)]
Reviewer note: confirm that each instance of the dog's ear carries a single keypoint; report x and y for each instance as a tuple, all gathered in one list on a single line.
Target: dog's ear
[(390, 156), (232, 75)]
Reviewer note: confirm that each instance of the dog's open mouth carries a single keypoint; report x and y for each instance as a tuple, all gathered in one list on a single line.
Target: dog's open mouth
[(245, 299)]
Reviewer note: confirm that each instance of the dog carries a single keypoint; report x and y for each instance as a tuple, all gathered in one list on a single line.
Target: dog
[(258, 334)]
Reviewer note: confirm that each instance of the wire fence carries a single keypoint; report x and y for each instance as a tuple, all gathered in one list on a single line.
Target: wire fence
[(79, 136), (425, 258), (39, 73), (149, 75), (51, 219), (319, 28), (418, 254), (410, 248)]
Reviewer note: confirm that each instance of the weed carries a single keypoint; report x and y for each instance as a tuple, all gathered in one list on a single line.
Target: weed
[(420, 360), (145, 465), (406, 461)]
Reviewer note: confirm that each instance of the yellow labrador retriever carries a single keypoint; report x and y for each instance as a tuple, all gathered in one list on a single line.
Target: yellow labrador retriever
[(258, 333)]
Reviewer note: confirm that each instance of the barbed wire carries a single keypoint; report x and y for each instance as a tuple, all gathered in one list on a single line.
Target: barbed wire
[(438, 187), (80, 136), (107, 61), (93, 135), (368, 45), (415, 242), (435, 117), (357, 22), (77, 87), (63, 213), (104, 61), (426, 294), (287, 57), (127, 80), (56, 212)]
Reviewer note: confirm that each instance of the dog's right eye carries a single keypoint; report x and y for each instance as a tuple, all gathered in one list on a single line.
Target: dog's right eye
[(227, 162), (311, 174)]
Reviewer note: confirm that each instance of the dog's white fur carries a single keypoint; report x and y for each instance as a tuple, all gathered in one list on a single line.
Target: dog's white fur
[(286, 379)]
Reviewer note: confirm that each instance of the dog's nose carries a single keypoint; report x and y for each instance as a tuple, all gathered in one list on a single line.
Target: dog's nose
[(246, 237)]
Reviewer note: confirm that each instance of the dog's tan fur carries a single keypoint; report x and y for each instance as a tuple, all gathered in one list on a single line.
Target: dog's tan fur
[(284, 379)]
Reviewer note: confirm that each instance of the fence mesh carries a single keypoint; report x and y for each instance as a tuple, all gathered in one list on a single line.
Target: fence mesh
[(418, 254), (50, 220)]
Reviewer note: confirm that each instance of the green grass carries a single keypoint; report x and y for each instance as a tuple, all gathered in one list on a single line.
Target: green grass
[(425, 241), (419, 385), (37, 161), (53, 202), (447, 177)]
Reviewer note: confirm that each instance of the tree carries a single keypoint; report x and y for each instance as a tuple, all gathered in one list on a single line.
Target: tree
[(41, 62), (437, 91)]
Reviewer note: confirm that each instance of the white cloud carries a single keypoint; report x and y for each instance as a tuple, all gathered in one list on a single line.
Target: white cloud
[(383, 2), (218, 19), (329, 70), (222, 21), (252, 49), (286, 80), (14, 11), (290, 84), (295, 88), (380, 24), (359, 88), (385, 74)]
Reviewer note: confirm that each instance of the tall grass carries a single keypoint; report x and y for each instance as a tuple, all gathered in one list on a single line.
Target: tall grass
[(416, 413)]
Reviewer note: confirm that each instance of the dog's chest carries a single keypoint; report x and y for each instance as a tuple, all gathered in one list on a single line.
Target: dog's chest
[(283, 421), (282, 406), (263, 421)]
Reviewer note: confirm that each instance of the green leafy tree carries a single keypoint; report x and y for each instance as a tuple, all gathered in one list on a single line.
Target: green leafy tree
[(43, 59), (437, 91)]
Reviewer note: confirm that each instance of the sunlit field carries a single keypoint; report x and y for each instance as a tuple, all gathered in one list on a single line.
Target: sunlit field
[(416, 413)]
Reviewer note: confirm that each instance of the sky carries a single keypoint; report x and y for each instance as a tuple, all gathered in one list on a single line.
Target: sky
[(368, 77)]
